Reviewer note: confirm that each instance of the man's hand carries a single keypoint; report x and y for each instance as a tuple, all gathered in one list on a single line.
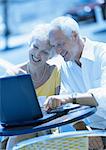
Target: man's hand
[(54, 101)]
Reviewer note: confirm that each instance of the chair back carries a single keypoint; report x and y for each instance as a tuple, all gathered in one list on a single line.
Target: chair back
[(61, 141)]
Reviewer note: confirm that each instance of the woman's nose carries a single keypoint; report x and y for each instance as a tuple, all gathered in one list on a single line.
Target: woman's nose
[(38, 54)]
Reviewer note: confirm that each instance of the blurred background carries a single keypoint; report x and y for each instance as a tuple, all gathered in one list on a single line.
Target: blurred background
[(18, 18)]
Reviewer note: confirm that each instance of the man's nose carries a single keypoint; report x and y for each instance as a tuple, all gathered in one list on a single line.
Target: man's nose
[(58, 50)]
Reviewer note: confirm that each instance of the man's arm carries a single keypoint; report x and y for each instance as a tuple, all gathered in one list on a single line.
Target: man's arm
[(57, 100), (100, 91)]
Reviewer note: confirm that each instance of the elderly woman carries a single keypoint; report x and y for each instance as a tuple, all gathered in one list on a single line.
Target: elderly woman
[(46, 78), (43, 74)]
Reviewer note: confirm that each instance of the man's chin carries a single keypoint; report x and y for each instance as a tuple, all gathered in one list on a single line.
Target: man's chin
[(66, 59)]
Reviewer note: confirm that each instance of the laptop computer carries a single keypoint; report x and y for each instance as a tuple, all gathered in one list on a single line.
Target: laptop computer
[(19, 103)]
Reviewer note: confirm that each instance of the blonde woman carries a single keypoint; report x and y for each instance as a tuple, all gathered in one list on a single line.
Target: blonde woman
[(46, 78)]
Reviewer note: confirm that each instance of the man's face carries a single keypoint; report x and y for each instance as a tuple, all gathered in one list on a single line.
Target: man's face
[(63, 45), (39, 53)]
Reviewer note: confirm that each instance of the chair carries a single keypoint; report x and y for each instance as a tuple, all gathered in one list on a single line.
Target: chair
[(77, 140)]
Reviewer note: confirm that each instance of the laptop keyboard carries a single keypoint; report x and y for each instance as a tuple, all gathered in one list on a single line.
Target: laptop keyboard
[(64, 108)]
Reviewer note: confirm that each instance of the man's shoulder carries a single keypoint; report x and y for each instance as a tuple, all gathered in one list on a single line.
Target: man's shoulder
[(96, 48)]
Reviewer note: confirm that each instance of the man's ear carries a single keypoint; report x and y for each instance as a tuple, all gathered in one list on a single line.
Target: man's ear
[(74, 35)]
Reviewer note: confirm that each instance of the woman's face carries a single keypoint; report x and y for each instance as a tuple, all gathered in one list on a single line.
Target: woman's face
[(39, 52)]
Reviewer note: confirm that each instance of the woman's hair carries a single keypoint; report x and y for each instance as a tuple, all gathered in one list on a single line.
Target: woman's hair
[(40, 33), (66, 24)]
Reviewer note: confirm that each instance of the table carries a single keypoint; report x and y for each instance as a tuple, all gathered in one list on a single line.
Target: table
[(71, 117)]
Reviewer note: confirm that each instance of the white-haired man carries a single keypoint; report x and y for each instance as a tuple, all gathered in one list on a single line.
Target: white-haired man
[(84, 70)]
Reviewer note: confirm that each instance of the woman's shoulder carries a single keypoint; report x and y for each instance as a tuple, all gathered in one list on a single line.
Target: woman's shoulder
[(54, 68), (54, 71)]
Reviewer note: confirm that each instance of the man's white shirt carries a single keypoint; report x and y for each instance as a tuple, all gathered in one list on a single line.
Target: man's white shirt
[(90, 77)]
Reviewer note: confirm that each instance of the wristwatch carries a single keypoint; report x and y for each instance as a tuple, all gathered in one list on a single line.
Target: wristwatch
[(74, 100)]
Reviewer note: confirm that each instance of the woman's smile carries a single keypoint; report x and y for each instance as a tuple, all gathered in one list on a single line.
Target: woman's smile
[(35, 59)]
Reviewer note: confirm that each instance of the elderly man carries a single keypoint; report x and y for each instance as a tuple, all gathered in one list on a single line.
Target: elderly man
[(84, 70)]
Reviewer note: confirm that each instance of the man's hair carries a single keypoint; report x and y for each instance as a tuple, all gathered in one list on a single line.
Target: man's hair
[(40, 32), (66, 24)]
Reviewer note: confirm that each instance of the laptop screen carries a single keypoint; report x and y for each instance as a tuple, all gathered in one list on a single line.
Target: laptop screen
[(18, 100)]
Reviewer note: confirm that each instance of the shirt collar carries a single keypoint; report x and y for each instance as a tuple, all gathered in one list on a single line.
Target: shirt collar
[(88, 51)]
